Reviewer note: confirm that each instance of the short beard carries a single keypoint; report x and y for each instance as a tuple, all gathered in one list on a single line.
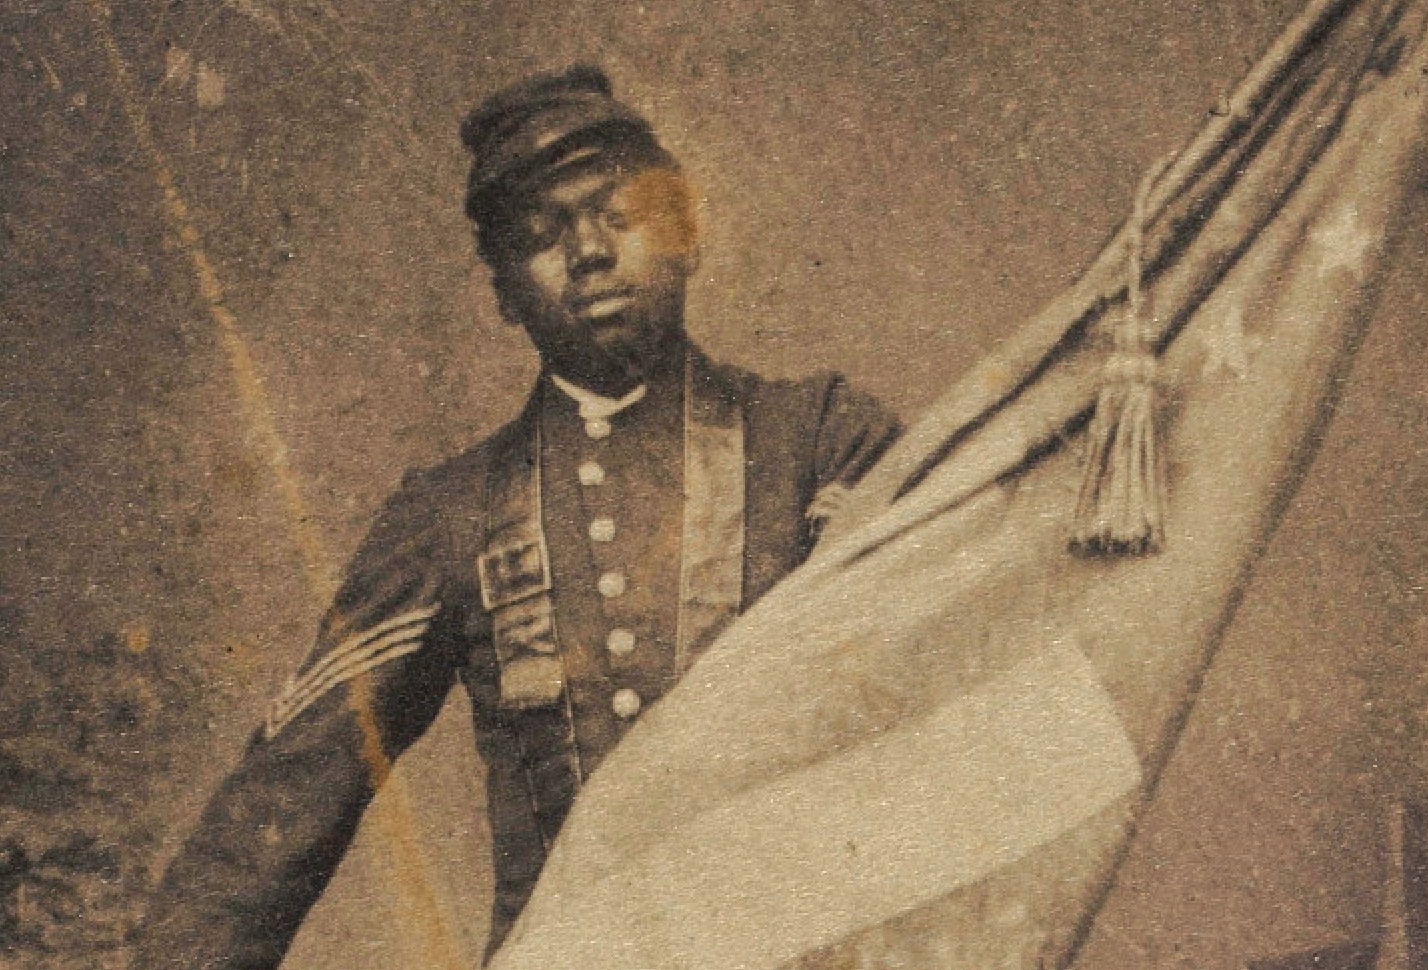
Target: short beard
[(620, 368)]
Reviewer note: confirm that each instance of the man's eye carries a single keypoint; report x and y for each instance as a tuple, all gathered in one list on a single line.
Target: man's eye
[(616, 218)]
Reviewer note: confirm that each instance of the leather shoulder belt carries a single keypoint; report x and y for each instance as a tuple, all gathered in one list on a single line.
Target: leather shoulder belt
[(514, 565)]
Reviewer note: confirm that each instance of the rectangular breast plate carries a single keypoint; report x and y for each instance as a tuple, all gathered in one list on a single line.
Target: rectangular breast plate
[(515, 577)]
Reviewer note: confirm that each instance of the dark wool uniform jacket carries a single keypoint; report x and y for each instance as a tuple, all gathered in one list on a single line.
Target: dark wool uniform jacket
[(409, 621)]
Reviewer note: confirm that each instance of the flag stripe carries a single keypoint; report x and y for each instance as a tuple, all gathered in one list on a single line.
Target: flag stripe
[(860, 836)]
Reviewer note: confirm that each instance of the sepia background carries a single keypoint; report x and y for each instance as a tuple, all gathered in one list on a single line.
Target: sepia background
[(239, 298)]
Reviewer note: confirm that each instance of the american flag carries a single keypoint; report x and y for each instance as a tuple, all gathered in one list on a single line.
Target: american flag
[(931, 744)]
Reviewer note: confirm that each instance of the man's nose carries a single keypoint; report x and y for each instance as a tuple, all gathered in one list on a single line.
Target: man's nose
[(590, 246)]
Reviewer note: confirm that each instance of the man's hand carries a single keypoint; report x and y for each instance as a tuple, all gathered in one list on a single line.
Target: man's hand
[(828, 504)]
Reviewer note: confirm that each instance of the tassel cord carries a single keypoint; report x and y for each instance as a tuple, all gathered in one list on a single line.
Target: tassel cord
[(1121, 502)]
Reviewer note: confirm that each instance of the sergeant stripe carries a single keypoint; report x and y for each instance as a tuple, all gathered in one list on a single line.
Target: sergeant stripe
[(319, 677), (361, 640), (303, 690), (386, 626), (388, 640), (279, 719)]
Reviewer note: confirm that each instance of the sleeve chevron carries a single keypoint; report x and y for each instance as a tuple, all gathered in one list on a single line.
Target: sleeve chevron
[(358, 654)]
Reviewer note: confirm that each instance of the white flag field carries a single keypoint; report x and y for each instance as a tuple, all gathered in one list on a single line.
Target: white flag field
[(947, 718)]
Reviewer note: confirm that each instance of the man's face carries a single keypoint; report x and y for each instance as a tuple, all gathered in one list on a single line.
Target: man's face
[(596, 274)]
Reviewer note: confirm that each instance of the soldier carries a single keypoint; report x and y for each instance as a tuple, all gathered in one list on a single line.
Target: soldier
[(567, 570)]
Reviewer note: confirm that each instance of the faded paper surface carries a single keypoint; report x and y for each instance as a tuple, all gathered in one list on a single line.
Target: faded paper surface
[(888, 191)]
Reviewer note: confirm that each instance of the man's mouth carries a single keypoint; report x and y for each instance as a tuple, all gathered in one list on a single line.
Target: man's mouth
[(599, 305)]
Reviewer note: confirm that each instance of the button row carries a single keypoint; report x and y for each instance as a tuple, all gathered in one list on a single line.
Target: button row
[(620, 642), (602, 529), (611, 584), (625, 702), (591, 473)]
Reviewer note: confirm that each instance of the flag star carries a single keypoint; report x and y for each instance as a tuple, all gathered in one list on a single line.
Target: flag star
[(1343, 242), (1226, 347)]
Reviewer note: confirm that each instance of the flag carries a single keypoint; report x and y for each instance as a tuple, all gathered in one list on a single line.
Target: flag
[(929, 746)]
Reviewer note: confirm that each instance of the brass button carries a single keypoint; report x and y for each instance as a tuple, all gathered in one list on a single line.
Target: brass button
[(611, 584), (597, 428), (602, 529), (620, 642), (591, 473), (625, 702)]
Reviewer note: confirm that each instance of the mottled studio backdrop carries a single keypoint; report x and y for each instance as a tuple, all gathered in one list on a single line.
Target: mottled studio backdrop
[(238, 298)]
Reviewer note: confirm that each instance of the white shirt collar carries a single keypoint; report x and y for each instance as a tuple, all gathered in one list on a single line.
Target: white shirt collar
[(594, 406)]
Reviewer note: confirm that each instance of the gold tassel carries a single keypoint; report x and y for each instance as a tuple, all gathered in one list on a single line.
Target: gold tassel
[(1121, 508)]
